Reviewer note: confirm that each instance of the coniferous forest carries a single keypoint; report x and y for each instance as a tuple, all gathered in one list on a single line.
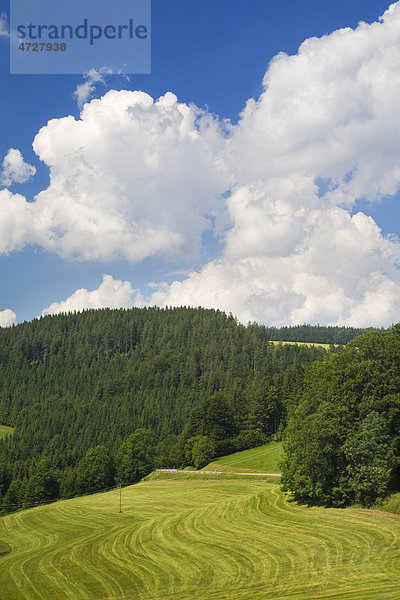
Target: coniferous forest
[(102, 397)]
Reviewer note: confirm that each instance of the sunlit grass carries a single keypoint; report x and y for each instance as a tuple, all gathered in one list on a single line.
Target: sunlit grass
[(206, 539), (5, 430), (264, 459)]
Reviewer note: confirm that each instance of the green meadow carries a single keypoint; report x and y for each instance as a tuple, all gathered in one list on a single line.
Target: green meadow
[(264, 459), (205, 538), (5, 430), (303, 343)]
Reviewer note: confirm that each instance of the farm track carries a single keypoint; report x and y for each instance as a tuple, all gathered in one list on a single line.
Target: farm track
[(217, 472), (202, 538)]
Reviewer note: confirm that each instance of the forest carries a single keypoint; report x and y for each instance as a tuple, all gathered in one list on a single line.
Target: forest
[(101, 397)]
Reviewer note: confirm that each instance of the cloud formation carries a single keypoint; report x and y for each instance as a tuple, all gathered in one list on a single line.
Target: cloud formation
[(342, 272), (324, 133), (134, 177), (111, 293), (85, 90), (7, 317), (131, 178), (329, 112), (16, 224), (15, 169)]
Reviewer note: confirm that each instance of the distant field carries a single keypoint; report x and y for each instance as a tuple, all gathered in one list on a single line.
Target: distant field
[(203, 539), (264, 459), (5, 430), (303, 343)]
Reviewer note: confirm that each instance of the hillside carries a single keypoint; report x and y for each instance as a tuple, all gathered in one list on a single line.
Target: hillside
[(263, 459), (199, 538), (193, 383)]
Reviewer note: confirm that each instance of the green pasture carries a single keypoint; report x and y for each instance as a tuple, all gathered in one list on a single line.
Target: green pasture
[(201, 539), (264, 459), (303, 343), (5, 430)]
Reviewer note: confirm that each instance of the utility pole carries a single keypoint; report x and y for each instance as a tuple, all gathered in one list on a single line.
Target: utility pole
[(120, 498)]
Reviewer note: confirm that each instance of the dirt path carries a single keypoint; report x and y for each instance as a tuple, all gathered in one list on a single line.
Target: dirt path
[(218, 472)]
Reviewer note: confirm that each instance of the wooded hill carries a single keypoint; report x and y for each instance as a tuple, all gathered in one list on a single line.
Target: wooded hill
[(192, 384), (101, 397)]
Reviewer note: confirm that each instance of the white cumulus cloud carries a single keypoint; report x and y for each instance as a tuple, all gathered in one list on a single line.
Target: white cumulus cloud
[(111, 293), (15, 169), (331, 112), (324, 133), (16, 224), (7, 317), (134, 177), (131, 178)]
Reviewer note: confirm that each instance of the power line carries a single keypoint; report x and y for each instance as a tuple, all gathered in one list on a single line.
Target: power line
[(45, 502)]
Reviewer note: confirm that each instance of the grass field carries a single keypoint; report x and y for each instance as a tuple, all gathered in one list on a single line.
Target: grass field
[(201, 539), (5, 430), (302, 343), (264, 459)]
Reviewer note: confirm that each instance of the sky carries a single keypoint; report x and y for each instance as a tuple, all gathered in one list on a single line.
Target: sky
[(256, 169)]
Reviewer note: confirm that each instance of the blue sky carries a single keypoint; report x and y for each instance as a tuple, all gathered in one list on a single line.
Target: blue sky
[(244, 243)]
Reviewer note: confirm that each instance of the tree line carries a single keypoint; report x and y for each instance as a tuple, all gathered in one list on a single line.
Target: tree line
[(316, 334)]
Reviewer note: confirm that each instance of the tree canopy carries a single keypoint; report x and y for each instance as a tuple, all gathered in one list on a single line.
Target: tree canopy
[(342, 443)]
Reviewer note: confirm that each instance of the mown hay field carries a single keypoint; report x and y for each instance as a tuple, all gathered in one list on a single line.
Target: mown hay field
[(208, 539), (264, 459)]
